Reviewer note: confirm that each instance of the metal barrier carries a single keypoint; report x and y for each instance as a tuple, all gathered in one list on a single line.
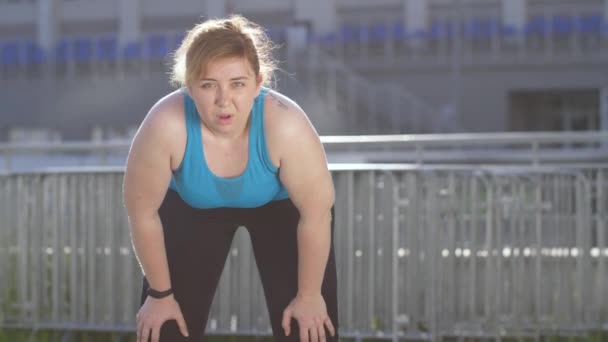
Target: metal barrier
[(422, 252), (509, 148)]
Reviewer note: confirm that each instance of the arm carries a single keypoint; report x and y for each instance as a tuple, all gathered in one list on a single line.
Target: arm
[(146, 180), (304, 172)]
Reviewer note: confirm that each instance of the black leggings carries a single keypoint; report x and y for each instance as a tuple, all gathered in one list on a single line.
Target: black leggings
[(197, 242)]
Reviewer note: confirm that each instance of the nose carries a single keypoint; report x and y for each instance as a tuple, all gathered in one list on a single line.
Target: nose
[(223, 97)]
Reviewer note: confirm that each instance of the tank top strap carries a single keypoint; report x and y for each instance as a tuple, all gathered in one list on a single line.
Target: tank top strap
[(257, 116), (193, 125), (258, 131)]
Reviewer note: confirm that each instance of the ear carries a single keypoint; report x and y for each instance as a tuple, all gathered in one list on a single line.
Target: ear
[(259, 79)]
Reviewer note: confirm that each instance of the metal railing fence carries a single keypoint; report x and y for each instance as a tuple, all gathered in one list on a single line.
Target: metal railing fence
[(536, 148), (423, 252)]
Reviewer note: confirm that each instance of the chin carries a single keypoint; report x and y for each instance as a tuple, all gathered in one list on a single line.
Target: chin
[(225, 128)]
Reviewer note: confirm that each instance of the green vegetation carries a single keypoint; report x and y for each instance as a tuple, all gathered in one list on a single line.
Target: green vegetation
[(57, 336)]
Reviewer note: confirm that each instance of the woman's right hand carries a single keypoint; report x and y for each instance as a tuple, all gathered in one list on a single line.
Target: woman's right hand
[(154, 313)]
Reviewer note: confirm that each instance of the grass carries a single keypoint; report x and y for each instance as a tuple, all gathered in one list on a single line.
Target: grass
[(58, 336)]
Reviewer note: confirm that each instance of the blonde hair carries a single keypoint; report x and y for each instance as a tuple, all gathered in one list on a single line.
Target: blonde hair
[(234, 36)]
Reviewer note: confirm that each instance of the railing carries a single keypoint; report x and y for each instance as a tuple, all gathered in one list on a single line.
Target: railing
[(483, 148), (461, 148), (423, 252)]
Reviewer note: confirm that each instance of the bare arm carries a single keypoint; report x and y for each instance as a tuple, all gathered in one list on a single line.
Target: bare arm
[(304, 172), (146, 180)]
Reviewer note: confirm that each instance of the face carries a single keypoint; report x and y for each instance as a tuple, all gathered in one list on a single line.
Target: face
[(224, 94)]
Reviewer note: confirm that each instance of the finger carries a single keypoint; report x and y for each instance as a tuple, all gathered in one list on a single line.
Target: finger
[(182, 324), (286, 322), (139, 330), (156, 332), (145, 333), (330, 326), (321, 331), (314, 337), (303, 334)]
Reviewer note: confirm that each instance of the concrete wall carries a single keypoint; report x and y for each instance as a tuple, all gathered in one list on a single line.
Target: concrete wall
[(79, 104), (485, 92), (76, 106)]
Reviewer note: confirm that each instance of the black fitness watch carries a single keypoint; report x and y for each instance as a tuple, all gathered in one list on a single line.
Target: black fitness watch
[(159, 294)]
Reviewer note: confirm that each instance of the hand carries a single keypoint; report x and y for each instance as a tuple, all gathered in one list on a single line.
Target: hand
[(154, 313), (311, 315)]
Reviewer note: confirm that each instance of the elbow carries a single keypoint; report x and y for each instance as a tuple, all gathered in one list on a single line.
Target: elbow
[(139, 217), (320, 209)]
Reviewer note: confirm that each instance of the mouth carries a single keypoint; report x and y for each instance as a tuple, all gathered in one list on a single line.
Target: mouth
[(225, 118)]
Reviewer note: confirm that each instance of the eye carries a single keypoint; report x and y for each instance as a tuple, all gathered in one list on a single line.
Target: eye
[(238, 84), (207, 85)]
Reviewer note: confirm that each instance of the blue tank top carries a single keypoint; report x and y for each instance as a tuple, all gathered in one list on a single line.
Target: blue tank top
[(201, 188)]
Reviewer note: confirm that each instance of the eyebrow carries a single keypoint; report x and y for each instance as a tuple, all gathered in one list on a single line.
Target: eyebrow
[(232, 79)]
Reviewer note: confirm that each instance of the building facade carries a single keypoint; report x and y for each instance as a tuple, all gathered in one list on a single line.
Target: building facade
[(75, 67)]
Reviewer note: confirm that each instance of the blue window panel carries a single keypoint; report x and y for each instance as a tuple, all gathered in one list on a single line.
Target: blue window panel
[(494, 26), (11, 54), (107, 49), (62, 52), (378, 33), (132, 51), (34, 54), (327, 38), (481, 28), (363, 34), (272, 34), (419, 34), (177, 40), (83, 50), (508, 31), (441, 30), (158, 46), (398, 31), (276, 34), (282, 34), (590, 23), (536, 26), (562, 24), (349, 33)]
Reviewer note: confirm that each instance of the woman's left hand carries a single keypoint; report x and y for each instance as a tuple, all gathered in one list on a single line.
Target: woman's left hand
[(311, 315)]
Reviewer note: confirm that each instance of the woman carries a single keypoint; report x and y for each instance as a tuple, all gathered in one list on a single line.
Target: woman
[(225, 151)]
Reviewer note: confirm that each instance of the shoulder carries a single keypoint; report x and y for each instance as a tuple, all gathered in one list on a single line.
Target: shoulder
[(166, 116), (164, 125), (284, 118), (288, 129), (167, 112)]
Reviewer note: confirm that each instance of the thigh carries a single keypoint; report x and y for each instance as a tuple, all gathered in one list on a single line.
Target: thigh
[(197, 243), (275, 246)]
